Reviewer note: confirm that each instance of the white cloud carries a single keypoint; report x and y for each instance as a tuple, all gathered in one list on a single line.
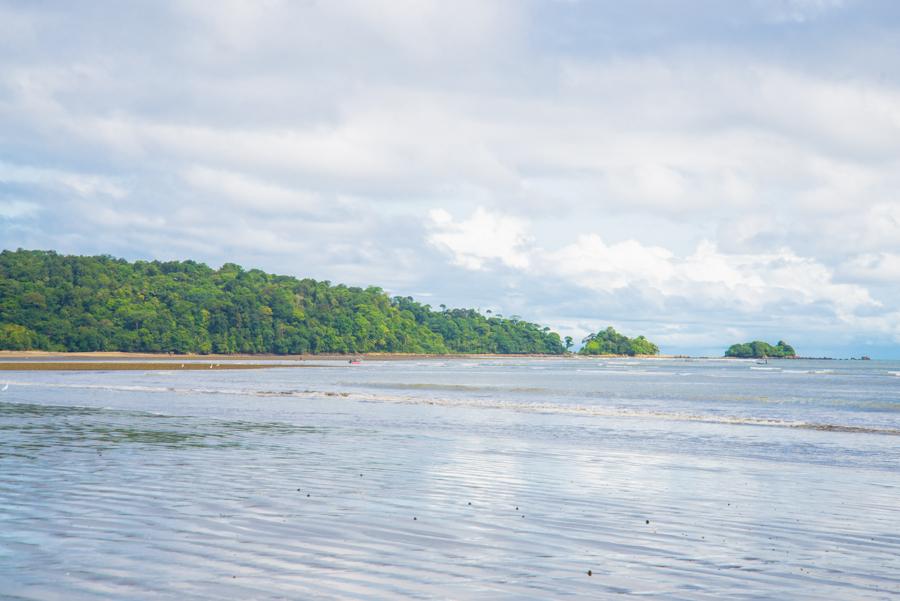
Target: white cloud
[(670, 164), (484, 237), (81, 184), (801, 11), (250, 193), (16, 209), (593, 264), (881, 268), (747, 283)]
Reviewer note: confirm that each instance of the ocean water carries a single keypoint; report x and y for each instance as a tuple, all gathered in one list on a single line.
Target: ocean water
[(454, 479)]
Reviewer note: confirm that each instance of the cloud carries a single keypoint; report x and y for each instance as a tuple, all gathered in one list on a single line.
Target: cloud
[(80, 184), (801, 11), (694, 171), (16, 209), (746, 283), (484, 237), (248, 192), (883, 268), (593, 264)]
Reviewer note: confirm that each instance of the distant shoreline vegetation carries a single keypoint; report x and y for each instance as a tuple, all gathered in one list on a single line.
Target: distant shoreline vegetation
[(759, 349), (610, 342), (55, 302)]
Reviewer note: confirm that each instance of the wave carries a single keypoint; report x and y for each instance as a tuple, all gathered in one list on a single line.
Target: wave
[(484, 403), (444, 387), (627, 372)]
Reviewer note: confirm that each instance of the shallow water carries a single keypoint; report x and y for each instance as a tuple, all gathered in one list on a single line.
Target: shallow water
[(464, 479)]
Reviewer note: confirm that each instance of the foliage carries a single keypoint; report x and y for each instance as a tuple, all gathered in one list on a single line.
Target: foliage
[(610, 342), (468, 331), (54, 302), (18, 338), (758, 349)]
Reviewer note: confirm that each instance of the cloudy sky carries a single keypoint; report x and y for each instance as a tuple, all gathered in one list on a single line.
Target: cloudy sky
[(702, 172)]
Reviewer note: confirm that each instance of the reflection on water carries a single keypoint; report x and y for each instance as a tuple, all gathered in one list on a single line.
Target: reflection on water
[(33, 428), (308, 485)]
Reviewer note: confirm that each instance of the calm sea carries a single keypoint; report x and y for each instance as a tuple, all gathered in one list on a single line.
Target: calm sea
[(454, 479)]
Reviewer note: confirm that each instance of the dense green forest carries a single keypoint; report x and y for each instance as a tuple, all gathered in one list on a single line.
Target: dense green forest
[(610, 342), (758, 349), (71, 303)]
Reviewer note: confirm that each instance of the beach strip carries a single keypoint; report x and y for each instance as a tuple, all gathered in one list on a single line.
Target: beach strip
[(133, 366)]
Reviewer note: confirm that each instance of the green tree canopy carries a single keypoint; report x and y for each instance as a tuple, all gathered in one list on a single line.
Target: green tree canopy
[(610, 342), (70, 303), (759, 349)]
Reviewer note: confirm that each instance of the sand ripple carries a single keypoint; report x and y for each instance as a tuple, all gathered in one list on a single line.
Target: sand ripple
[(453, 480), (114, 504)]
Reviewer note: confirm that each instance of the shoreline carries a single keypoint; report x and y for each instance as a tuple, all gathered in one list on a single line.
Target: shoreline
[(120, 355), (305, 484), (134, 366)]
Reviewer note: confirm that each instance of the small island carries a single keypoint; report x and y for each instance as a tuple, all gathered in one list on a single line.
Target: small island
[(610, 342), (759, 350)]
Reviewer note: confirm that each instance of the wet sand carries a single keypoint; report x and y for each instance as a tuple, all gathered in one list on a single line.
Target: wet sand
[(132, 366), (116, 355), (231, 485), (244, 357)]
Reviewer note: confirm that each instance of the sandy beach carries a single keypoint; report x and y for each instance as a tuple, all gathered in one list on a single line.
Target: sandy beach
[(133, 365), (123, 356), (481, 479)]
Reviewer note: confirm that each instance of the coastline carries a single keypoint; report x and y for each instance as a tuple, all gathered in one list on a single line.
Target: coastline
[(128, 356), (135, 366), (306, 484)]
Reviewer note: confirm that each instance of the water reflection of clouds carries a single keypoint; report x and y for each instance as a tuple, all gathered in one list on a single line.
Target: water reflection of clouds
[(733, 508)]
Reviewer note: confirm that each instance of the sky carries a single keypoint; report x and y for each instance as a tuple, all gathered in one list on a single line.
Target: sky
[(701, 172)]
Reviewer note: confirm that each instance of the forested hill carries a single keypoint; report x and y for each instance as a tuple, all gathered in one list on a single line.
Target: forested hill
[(70, 303)]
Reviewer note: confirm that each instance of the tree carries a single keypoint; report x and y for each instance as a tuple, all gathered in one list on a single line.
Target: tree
[(758, 349), (786, 349), (55, 302), (14, 337), (610, 342)]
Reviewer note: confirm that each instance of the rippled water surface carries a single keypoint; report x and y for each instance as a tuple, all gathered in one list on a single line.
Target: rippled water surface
[(456, 479)]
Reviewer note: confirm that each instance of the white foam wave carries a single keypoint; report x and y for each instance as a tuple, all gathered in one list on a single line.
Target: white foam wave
[(490, 403)]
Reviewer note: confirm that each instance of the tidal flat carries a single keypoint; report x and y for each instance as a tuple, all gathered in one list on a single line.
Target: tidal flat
[(162, 365), (481, 479)]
